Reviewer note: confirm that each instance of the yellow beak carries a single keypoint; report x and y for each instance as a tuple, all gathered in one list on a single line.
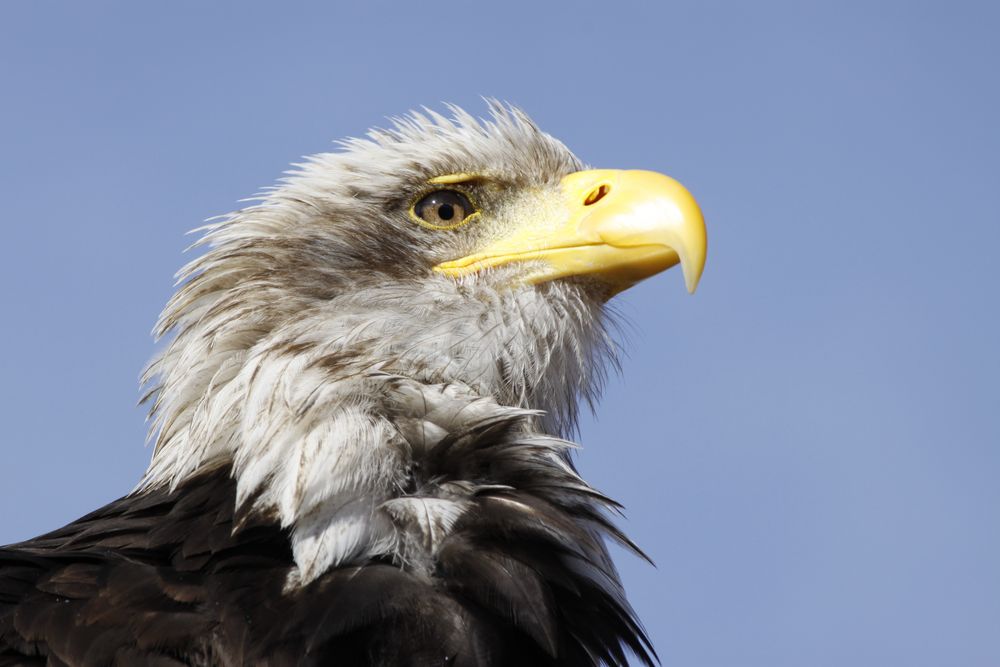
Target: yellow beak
[(617, 226)]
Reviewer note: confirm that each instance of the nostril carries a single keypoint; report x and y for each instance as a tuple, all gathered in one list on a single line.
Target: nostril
[(597, 194)]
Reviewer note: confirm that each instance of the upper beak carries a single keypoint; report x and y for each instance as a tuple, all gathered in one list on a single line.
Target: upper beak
[(620, 227)]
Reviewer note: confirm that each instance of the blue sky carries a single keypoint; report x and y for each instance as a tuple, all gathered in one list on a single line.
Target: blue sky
[(808, 448)]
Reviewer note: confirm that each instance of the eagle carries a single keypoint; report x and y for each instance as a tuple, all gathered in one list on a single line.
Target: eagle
[(361, 420)]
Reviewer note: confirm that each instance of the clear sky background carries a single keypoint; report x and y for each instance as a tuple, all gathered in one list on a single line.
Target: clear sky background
[(809, 448)]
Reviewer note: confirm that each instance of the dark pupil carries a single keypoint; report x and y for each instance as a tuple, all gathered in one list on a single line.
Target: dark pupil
[(446, 212)]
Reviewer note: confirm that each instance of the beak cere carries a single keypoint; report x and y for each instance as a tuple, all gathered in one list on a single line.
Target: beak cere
[(620, 227)]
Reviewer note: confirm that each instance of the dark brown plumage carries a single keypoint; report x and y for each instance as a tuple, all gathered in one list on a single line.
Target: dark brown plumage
[(162, 579)]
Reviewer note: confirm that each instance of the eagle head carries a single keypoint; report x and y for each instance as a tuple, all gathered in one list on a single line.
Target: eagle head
[(442, 278)]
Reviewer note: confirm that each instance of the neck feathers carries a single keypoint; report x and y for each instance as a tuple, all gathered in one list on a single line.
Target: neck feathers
[(330, 414)]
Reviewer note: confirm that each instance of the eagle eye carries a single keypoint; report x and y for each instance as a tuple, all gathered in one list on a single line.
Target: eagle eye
[(443, 209)]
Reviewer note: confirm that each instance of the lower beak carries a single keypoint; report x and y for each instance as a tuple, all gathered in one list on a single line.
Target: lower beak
[(621, 227)]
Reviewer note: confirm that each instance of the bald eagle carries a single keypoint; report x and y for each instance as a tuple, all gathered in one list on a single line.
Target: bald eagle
[(360, 421)]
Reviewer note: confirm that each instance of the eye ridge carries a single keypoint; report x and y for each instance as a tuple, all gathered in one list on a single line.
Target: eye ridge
[(443, 209)]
